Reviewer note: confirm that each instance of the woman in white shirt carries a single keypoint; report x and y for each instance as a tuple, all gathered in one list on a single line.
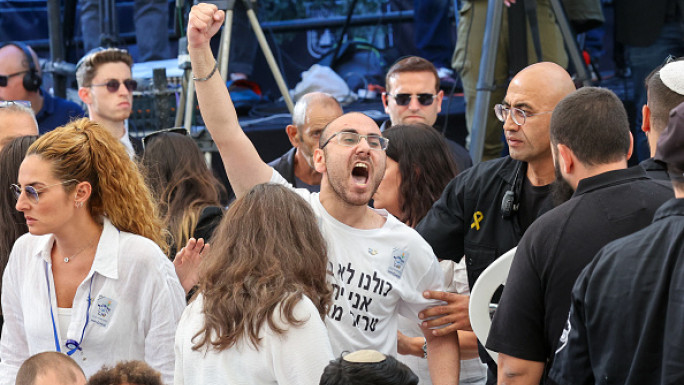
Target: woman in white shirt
[(90, 279), (258, 315), (419, 166)]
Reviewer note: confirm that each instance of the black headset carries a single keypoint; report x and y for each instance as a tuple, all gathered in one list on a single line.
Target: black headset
[(509, 205), (32, 80)]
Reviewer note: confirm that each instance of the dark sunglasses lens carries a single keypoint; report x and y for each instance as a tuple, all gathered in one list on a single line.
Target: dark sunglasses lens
[(426, 99), (3, 80), (113, 85), (131, 85), (402, 99)]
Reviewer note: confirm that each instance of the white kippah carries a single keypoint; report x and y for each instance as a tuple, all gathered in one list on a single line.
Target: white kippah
[(365, 356), (672, 75)]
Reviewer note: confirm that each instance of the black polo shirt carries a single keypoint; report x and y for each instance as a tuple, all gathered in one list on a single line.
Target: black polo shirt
[(627, 315), (655, 169), (555, 249), (467, 219)]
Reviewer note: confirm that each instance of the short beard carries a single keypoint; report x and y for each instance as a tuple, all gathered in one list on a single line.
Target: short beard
[(561, 191)]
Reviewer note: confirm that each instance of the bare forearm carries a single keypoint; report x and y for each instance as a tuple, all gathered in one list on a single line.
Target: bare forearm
[(467, 343), (243, 165), (443, 358)]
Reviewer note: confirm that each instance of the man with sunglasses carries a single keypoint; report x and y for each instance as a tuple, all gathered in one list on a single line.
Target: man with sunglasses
[(106, 86), (379, 265), (413, 96), (20, 79)]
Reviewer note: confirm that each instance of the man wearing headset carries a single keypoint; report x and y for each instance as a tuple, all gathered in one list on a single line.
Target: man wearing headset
[(413, 96), (485, 210), (20, 79), (106, 85)]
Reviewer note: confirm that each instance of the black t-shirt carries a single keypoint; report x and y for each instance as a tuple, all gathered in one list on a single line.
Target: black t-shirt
[(533, 199), (627, 310), (555, 249)]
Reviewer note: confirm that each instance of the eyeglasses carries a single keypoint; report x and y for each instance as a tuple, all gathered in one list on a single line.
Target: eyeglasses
[(9, 103), (114, 84), (4, 79), (174, 130), (34, 193), (351, 139), (518, 116), (405, 99)]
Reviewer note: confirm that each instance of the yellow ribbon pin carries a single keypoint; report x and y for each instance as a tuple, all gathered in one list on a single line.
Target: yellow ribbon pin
[(477, 218)]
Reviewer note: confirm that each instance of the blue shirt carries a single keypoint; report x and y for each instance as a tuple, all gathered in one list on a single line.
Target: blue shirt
[(56, 112)]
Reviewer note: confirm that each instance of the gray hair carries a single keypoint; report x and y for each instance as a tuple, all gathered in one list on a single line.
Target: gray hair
[(11, 107), (301, 108)]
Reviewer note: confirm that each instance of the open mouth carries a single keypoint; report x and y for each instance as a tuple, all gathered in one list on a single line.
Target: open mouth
[(360, 174)]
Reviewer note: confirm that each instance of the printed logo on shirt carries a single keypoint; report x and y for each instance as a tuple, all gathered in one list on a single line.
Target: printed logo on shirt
[(563, 342), (372, 251), (104, 310), (399, 259)]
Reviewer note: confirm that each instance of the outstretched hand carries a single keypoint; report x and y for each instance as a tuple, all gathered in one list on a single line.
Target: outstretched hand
[(455, 313), (204, 21), (187, 262)]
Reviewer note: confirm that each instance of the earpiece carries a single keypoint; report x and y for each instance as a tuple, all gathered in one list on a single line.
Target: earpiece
[(31, 80)]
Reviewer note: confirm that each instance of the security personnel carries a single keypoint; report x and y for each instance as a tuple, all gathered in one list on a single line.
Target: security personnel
[(665, 91), (591, 143), (486, 209), (626, 312)]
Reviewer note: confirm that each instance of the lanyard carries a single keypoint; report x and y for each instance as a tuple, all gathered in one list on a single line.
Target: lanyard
[(70, 344)]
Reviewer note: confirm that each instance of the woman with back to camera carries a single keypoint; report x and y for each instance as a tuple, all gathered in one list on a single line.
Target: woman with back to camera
[(419, 166), (258, 315), (91, 279), (187, 192), (12, 223)]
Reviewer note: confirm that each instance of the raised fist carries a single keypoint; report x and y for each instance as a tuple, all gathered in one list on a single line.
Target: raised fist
[(205, 20)]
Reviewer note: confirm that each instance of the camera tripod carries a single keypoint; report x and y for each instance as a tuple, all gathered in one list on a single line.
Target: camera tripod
[(223, 58), (485, 81)]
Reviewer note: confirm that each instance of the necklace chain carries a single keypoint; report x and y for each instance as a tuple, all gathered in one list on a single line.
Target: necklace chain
[(67, 259)]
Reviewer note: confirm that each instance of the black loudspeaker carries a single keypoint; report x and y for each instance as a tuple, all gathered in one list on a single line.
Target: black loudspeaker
[(31, 80)]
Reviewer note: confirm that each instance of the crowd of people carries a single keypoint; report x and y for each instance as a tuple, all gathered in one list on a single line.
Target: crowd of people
[(349, 259)]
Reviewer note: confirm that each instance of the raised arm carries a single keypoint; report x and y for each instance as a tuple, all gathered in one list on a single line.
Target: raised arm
[(244, 167)]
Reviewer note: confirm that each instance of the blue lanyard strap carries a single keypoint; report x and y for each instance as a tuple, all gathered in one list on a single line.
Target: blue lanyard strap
[(71, 344)]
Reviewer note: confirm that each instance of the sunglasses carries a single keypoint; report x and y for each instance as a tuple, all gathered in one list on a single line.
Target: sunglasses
[(146, 140), (405, 99), (4, 79), (114, 84), (34, 193)]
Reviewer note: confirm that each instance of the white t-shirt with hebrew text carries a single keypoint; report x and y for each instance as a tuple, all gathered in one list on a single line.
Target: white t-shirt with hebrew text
[(377, 274)]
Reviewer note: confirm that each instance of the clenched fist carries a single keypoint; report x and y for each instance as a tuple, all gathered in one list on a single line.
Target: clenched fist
[(205, 20)]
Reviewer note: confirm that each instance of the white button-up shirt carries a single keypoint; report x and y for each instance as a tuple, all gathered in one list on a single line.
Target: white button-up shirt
[(136, 303)]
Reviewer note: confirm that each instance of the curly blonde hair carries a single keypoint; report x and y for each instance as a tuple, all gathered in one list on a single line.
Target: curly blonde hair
[(85, 151), (267, 252)]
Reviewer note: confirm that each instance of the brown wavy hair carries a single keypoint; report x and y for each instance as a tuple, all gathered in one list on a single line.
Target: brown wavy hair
[(267, 251), (425, 164), (182, 183), (12, 222), (84, 151)]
